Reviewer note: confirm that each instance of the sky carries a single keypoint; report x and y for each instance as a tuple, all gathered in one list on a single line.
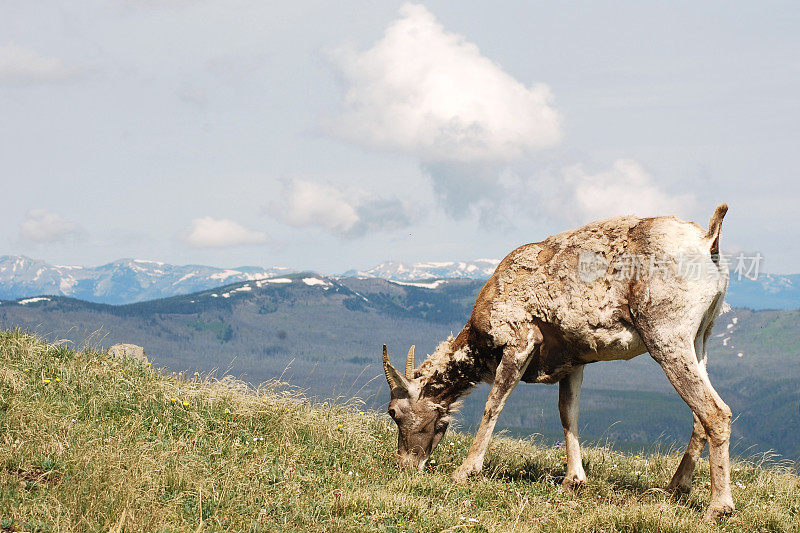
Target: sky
[(336, 135)]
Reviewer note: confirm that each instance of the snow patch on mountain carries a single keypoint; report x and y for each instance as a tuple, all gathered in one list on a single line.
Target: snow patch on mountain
[(264, 282), (225, 274), (311, 282), (431, 285), (33, 300)]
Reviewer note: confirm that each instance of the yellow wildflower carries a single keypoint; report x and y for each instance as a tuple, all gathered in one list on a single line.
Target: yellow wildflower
[(186, 404), (45, 381), (58, 380), (173, 400)]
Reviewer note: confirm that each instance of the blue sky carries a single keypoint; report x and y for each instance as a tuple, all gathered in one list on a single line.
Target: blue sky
[(331, 136)]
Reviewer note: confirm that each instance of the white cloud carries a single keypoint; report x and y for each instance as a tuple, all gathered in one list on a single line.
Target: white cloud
[(41, 225), (425, 91), (208, 232), (311, 204), (23, 65), (625, 189), (342, 212)]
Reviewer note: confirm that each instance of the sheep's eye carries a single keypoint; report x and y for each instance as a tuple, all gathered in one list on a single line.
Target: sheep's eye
[(392, 412)]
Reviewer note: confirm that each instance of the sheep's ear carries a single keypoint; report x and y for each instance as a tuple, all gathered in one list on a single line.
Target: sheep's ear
[(393, 376)]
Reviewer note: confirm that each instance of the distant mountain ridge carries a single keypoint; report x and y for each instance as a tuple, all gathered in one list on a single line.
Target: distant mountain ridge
[(400, 271), (126, 281), (767, 291), (135, 280), (119, 282)]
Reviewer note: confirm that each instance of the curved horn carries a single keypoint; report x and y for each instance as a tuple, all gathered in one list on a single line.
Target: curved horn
[(410, 363), (386, 366), (395, 378)]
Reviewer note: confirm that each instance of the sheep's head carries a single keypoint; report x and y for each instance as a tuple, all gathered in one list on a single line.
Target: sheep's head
[(421, 422)]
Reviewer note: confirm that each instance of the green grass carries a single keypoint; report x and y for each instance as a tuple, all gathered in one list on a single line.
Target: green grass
[(110, 445)]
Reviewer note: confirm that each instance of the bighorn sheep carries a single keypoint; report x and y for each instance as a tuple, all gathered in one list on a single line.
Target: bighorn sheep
[(613, 289)]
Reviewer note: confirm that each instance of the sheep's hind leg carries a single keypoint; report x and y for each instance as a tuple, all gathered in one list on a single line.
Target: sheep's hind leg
[(687, 375), (682, 480)]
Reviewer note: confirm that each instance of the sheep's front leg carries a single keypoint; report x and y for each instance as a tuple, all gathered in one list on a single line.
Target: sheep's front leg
[(569, 395), (509, 372)]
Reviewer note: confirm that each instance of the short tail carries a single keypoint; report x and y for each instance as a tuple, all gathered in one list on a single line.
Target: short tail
[(715, 226)]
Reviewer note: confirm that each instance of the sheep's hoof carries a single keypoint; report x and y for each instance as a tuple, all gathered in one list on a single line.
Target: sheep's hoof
[(679, 488), (463, 473), (574, 482), (716, 510)]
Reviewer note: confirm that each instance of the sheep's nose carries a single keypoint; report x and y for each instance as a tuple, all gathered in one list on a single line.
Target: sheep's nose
[(411, 462)]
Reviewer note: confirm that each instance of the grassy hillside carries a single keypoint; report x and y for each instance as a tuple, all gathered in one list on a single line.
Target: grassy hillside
[(91, 444), (329, 335)]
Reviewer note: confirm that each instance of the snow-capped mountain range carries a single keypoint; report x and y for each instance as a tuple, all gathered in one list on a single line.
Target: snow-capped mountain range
[(135, 280), (119, 282), (398, 271)]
